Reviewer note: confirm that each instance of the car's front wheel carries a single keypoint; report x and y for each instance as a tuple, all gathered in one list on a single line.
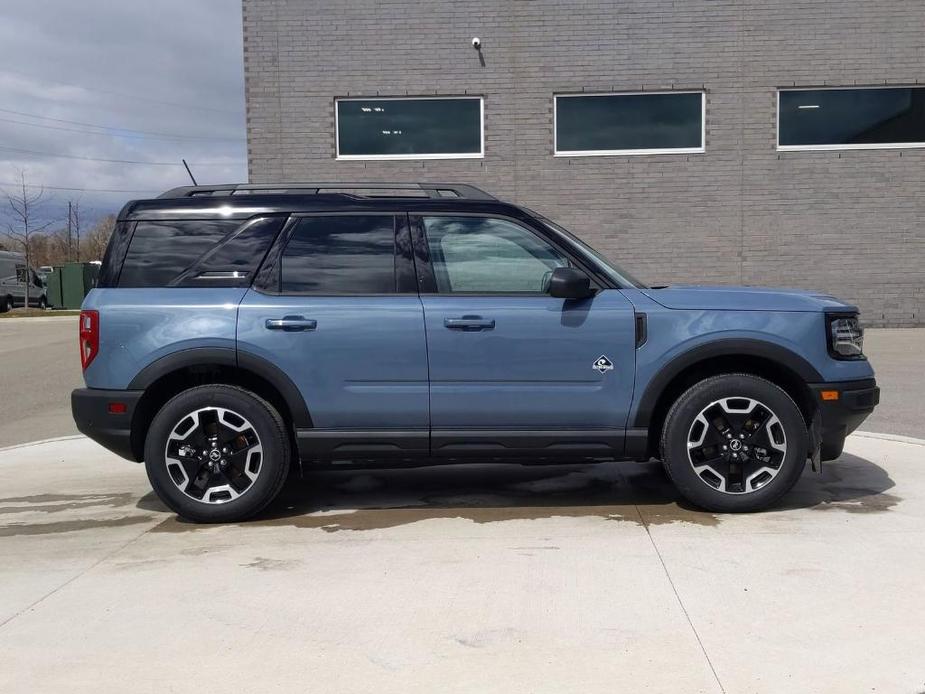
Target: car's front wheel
[(6, 304), (734, 443), (217, 453)]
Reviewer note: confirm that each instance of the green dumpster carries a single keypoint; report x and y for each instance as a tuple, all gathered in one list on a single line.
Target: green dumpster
[(53, 290), (76, 280)]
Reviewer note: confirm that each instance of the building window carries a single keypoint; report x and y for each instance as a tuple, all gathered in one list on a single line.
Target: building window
[(631, 123), (866, 118), (410, 128)]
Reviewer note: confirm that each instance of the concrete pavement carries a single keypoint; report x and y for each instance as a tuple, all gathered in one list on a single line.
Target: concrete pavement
[(463, 579)]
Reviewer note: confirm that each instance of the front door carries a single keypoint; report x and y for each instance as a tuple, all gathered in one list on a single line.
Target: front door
[(512, 368), (338, 313)]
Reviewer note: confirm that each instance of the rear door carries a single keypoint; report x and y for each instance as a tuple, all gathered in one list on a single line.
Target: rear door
[(512, 368), (336, 308)]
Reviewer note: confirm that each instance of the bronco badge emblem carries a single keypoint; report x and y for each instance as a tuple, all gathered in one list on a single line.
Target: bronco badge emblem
[(602, 364)]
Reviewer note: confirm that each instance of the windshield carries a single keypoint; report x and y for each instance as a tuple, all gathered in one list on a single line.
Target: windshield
[(612, 270)]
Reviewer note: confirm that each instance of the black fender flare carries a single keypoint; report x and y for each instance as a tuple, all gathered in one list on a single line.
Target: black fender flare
[(227, 357), (731, 347)]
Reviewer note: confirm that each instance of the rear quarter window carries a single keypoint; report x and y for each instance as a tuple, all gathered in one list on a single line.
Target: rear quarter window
[(196, 253)]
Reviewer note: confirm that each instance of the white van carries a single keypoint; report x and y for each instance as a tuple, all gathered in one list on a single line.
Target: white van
[(13, 278)]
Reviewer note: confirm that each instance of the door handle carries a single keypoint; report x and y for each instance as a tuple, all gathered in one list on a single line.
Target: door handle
[(291, 324), (469, 323)]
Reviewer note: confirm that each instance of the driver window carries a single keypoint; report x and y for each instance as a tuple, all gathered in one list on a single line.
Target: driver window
[(488, 256)]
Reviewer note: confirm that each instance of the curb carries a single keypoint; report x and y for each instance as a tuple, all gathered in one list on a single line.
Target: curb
[(889, 437), (74, 437)]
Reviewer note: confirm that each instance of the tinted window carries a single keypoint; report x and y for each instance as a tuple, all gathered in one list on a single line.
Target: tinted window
[(484, 255), (115, 254), (161, 251), (409, 127), (340, 255), (846, 117), (629, 122), (235, 260)]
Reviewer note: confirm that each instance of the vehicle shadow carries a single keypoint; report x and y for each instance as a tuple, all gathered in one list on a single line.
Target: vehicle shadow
[(338, 500)]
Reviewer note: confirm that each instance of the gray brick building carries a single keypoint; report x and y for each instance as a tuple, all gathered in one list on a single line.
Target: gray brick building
[(846, 220)]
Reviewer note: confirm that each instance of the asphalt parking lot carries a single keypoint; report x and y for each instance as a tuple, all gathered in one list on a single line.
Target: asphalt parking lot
[(479, 578)]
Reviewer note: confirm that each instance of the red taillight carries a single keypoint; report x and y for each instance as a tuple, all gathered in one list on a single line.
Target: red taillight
[(89, 337)]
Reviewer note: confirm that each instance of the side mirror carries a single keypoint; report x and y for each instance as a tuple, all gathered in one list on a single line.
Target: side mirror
[(570, 283)]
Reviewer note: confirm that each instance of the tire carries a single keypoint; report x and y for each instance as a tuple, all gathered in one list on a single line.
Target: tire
[(7, 304), (739, 412), (243, 481)]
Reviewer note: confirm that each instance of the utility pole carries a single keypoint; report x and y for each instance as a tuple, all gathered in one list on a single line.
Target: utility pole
[(68, 231), (77, 226)]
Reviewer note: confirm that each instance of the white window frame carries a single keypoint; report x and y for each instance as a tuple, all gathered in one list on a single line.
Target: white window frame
[(386, 157), (831, 148), (630, 152)]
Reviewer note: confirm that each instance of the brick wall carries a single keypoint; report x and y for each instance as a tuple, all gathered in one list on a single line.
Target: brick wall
[(847, 223)]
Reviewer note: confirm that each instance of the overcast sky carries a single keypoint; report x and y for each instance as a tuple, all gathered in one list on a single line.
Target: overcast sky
[(164, 79)]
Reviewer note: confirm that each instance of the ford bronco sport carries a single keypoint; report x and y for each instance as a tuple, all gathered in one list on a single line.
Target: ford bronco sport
[(238, 330)]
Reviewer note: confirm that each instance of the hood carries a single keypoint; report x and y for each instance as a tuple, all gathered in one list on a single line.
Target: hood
[(744, 299)]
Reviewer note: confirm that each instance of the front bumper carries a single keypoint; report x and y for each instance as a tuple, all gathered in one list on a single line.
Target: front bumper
[(836, 418), (91, 410)]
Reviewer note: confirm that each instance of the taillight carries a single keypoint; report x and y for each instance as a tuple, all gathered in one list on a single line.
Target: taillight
[(89, 337)]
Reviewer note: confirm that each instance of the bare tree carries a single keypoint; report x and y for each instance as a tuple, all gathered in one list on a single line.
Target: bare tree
[(75, 214), (97, 238), (24, 213), (73, 228), (50, 248)]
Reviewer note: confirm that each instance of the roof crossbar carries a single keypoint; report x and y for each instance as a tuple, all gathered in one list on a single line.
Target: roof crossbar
[(432, 190)]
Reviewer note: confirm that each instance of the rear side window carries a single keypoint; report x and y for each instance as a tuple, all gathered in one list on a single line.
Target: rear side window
[(160, 252), (236, 258), (352, 254), (115, 254)]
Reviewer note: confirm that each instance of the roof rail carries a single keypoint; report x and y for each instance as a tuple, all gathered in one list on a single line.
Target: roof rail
[(433, 190)]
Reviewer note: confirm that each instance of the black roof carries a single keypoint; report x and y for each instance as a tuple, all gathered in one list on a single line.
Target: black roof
[(242, 200)]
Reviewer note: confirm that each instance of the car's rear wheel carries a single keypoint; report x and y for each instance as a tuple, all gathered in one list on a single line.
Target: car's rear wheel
[(217, 453), (734, 443), (7, 304)]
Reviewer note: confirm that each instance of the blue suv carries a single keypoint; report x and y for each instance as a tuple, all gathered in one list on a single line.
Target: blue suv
[(240, 329)]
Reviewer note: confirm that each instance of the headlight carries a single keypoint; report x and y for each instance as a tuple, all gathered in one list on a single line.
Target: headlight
[(845, 337)]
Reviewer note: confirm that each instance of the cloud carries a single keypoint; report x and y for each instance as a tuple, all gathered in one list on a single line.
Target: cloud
[(172, 67)]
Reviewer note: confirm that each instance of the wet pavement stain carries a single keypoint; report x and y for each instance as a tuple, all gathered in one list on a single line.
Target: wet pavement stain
[(640, 493), (331, 502), (12, 507), (350, 500), (266, 564), (19, 529), (57, 503), (850, 484)]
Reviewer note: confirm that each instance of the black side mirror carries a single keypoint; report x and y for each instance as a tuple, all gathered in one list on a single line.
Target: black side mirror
[(570, 283)]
